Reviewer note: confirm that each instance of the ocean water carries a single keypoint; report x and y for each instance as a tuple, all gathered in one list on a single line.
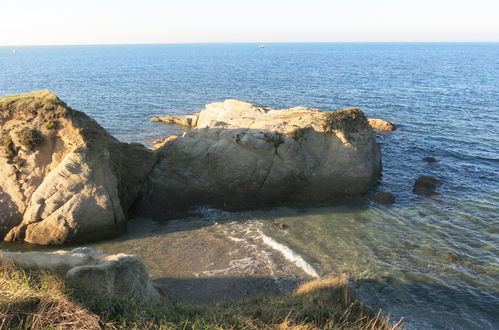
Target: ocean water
[(434, 261)]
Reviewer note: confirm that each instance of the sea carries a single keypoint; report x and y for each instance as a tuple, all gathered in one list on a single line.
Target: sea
[(432, 260)]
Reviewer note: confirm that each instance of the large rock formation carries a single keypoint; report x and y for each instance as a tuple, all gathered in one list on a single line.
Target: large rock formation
[(62, 177), (240, 155), (118, 274)]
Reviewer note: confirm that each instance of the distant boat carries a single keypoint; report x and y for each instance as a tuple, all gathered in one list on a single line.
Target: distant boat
[(261, 46), (14, 51)]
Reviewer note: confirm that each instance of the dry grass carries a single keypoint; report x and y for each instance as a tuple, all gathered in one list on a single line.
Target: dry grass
[(41, 300)]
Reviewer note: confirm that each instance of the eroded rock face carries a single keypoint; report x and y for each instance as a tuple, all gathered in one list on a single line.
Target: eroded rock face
[(62, 177), (240, 155), (118, 274)]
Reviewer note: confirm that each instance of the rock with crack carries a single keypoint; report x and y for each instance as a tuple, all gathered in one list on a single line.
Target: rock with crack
[(62, 177), (240, 155), (118, 274)]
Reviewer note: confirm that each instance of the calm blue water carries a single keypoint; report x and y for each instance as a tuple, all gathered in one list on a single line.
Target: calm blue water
[(444, 97)]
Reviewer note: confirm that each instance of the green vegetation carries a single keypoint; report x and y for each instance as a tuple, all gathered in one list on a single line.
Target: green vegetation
[(28, 106), (346, 120), (41, 300), (9, 149), (29, 137), (51, 125), (43, 97)]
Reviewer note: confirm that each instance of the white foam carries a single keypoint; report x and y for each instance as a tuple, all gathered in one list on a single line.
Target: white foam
[(290, 255), (246, 265)]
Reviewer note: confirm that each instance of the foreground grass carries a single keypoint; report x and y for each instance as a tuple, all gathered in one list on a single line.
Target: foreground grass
[(41, 300)]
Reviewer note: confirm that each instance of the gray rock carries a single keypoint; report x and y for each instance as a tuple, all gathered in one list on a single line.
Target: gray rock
[(119, 274), (241, 155)]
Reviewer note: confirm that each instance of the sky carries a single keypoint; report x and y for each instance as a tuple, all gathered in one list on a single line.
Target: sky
[(68, 22)]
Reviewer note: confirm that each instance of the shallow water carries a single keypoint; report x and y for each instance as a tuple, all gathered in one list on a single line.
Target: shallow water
[(431, 260)]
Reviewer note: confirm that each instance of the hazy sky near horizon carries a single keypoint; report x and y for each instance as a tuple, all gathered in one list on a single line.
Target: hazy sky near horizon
[(55, 22)]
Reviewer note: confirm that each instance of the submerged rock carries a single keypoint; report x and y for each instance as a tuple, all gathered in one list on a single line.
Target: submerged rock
[(241, 155), (430, 159), (426, 185), (118, 274), (68, 182), (386, 198)]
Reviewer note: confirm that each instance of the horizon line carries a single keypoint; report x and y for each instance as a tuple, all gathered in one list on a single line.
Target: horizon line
[(244, 42)]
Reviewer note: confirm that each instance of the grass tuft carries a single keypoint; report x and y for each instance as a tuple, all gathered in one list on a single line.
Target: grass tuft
[(9, 149), (51, 125), (29, 137), (29, 300)]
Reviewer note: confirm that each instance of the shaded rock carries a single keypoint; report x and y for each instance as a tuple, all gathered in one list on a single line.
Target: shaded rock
[(425, 185), (118, 274), (64, 182), (240, 155), (381, 125), (430, 159), (384, 198)]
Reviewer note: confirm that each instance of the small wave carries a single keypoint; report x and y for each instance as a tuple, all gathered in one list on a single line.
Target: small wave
[(290, 255)]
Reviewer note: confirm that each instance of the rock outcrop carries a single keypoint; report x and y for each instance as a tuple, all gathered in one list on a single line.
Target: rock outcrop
[(239, 155), (118, 274), (62, 177)]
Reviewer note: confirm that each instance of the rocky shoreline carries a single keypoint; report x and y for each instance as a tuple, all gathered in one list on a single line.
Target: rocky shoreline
[(64, 179)]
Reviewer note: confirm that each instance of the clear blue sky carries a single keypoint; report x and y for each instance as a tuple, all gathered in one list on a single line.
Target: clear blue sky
[(49, 22)]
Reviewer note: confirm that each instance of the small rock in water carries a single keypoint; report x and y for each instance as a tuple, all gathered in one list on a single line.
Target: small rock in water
[(425, 185), (430, 159), (380, 125), (279, 225), (385, 198), (387, 290), (409, 245), (452, 257)]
